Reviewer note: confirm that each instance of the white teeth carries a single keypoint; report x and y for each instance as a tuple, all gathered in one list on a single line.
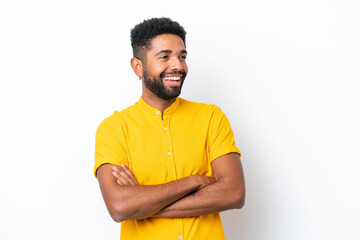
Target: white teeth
[(172, 78)]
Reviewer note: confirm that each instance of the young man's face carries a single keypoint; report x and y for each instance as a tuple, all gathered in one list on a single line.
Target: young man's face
[(165, 68)]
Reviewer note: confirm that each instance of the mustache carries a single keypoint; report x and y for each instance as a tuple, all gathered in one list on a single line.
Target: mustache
[(182, 73)]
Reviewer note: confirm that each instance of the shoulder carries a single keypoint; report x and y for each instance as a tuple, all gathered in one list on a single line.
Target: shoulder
[(204, 108), (201, 111), (119, 117)]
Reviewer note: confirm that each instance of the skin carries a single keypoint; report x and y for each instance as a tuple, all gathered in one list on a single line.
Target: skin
[(167, 54), (125, 202), (189, 196), (226, 192)]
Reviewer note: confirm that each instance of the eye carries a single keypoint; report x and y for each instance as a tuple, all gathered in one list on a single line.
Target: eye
[(183, 57), (164, 57)]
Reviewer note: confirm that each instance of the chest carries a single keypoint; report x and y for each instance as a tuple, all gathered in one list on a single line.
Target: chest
[(163, 150)]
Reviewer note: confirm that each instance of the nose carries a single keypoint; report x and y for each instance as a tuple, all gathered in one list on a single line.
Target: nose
[(176, 64)]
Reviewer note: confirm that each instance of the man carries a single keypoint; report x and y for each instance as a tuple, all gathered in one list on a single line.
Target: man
[(167, 166)]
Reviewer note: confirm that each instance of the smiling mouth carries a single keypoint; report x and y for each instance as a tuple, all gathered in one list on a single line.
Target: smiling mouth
[(172, 79)]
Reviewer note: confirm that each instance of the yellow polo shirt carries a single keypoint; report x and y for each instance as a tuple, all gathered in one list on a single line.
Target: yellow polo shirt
[(159, 149)]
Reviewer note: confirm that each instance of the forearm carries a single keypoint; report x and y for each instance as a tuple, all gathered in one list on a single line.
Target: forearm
[(225, 191), (141, 201), (126, 202), (213, 198)]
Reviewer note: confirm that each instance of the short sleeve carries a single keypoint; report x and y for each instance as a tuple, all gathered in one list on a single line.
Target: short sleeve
[(220, 136), (109, 144)]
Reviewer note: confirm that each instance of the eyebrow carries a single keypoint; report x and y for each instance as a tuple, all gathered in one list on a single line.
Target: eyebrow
[(169, 51)]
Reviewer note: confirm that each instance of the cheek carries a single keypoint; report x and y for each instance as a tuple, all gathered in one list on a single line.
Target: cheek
[(185, 67), (155, 68), (159, 69)]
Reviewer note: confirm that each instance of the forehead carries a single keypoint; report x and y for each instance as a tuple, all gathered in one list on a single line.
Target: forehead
[(167, 42)]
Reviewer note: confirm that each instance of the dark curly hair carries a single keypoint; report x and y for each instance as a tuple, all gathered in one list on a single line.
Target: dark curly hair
[(143, 33)]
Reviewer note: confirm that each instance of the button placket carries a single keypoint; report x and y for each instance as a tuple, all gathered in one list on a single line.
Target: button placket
[(180, 228), (170, 156), (168, 147), (168, 153)]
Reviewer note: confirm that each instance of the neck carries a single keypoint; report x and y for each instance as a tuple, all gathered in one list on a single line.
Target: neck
[(156, 102)]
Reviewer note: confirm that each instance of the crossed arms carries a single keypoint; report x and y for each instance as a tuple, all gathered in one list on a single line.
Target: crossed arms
[(190, 196)]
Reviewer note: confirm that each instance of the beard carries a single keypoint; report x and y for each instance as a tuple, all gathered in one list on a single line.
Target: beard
[(157, 87)]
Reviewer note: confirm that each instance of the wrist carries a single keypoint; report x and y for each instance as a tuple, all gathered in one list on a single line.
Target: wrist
[(200, 181)]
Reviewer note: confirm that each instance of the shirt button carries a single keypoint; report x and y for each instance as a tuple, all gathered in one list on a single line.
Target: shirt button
[(179, 237), (158, 113), (169, 153), (165, 128)]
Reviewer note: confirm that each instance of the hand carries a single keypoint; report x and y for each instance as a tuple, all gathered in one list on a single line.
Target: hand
[(124, 176)]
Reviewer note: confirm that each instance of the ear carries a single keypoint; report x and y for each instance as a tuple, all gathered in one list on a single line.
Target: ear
[(137, 66)]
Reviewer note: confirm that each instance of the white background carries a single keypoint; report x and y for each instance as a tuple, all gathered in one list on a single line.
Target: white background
[(286, 73)]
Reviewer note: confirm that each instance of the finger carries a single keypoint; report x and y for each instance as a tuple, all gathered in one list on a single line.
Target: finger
[(127, 170), (130, 174), (124, 175), (121, 172), (120, 179), (116, 168), (123, 182)]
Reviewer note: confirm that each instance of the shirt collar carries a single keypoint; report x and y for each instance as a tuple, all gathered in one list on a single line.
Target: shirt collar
[(155, 111)]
